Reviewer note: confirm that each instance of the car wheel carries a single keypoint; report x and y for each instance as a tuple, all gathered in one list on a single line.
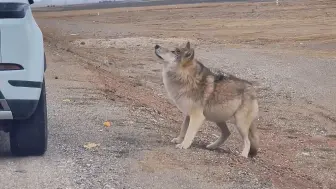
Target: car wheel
[(30, 136)]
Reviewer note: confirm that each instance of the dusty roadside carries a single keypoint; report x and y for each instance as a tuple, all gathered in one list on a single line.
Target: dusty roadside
[(106, 70), (296, 87)]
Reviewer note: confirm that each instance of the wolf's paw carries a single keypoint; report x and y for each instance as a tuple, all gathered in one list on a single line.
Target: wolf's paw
[(243, 155), (182, 146), (212, 146), (177, 140)]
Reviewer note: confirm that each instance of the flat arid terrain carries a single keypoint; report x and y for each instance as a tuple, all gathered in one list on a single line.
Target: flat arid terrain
[(102, 67)]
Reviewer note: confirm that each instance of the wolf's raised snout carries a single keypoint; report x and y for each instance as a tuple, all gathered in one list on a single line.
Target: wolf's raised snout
[(157, 51)]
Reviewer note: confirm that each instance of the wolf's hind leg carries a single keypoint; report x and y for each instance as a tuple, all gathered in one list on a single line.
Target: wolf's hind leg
[(196, 120), (245, 117), (183, 130), (225, 133), (243, 123)]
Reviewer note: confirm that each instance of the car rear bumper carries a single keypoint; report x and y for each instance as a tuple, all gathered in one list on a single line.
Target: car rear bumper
[(17, 108)]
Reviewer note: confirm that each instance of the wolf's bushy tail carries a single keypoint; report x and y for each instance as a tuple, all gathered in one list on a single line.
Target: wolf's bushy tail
[(254, 139)]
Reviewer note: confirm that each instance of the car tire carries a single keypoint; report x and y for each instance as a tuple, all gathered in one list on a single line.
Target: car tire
[(30, 136)]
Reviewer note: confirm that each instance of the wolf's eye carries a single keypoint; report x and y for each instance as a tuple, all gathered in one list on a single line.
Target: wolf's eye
[(177, 51)]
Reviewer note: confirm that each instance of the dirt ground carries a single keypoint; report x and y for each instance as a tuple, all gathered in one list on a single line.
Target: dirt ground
[(288, 51)]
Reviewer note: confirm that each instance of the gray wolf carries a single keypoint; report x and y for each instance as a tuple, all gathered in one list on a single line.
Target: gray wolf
[(202, 94)]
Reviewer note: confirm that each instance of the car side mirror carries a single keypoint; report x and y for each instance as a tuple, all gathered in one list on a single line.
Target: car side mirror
[(31, 2)]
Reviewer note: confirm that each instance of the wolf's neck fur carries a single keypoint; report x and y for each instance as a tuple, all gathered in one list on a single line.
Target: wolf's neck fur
[(193, 74)]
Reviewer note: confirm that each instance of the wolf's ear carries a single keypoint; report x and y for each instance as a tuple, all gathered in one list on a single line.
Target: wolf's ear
[(190, 54), (188, 45), (188, 58)]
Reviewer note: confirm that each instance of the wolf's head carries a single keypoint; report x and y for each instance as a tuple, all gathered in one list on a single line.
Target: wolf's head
[(178, 57)]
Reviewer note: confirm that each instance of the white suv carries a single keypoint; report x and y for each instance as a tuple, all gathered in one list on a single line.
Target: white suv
[(23, 110)]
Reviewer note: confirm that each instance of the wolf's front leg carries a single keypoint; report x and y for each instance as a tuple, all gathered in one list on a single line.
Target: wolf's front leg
[(183, 130), (196, 120)]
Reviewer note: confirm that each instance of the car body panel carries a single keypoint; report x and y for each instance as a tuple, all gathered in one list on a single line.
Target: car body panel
[(21, 42)]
